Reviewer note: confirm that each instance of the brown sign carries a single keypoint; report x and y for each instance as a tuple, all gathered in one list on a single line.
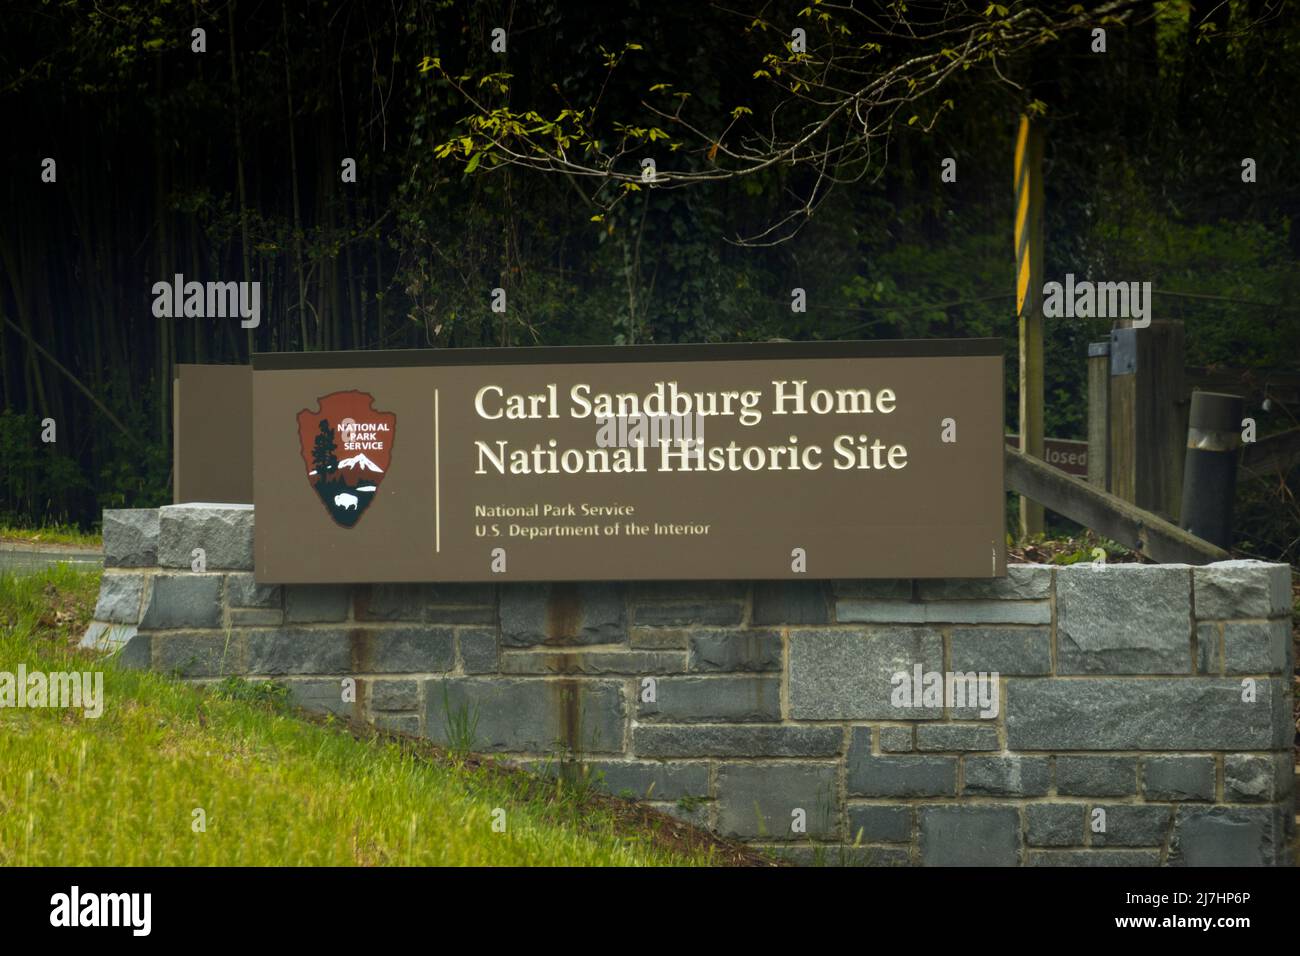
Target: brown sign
[(212, 443), (817, 460), (1064, 453)]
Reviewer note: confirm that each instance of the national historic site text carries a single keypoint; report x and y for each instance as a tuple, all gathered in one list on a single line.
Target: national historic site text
[(623, 418)]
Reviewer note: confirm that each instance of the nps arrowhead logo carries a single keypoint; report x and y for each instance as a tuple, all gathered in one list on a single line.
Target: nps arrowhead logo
[(346, 446)]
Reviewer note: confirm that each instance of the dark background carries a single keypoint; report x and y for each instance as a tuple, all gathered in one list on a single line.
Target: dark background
[(224, 165)]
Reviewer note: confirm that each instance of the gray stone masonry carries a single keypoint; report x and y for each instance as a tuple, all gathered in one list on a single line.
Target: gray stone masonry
[(1091, 776), (224, 533), (130, 537), (1148, 627), (1178, 778), (1142, 713), (791, 800), (120, 597)]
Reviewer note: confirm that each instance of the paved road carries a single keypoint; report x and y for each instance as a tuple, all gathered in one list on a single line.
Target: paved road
[(18, 558)]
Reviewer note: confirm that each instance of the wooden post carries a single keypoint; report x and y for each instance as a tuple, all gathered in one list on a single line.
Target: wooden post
[(1099, 414), (1148, 415), (1029, 291)]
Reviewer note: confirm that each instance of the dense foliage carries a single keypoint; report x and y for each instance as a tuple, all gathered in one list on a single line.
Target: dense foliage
[(225, 165)]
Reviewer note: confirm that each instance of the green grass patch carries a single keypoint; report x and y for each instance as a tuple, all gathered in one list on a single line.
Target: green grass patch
[(273, 789), (61, 534)]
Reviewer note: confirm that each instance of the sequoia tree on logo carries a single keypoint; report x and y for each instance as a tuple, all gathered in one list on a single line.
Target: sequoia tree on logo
[(346, 446)]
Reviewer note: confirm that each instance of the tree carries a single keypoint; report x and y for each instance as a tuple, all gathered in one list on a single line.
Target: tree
[(408, 254), (841, 83), (323, 458)]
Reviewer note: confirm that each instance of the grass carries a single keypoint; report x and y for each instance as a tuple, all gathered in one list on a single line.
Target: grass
[(61, 534), (1085, 547), (273, 789)]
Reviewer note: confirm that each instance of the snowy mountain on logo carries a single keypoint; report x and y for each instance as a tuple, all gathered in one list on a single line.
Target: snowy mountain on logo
[(360, 460)]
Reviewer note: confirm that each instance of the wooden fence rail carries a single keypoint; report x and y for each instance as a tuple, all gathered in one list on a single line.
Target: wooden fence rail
[(1108, 515)]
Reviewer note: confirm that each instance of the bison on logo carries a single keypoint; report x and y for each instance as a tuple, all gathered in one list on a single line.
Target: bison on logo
[(346, 446)]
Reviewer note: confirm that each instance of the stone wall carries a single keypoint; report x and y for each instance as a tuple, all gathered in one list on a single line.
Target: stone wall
[(1159, 695)]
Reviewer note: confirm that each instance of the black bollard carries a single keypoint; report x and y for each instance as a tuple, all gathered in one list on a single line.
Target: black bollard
[(1210, 469)]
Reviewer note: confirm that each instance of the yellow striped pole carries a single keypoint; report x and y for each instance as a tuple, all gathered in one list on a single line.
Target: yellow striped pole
[(1029, 301)]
